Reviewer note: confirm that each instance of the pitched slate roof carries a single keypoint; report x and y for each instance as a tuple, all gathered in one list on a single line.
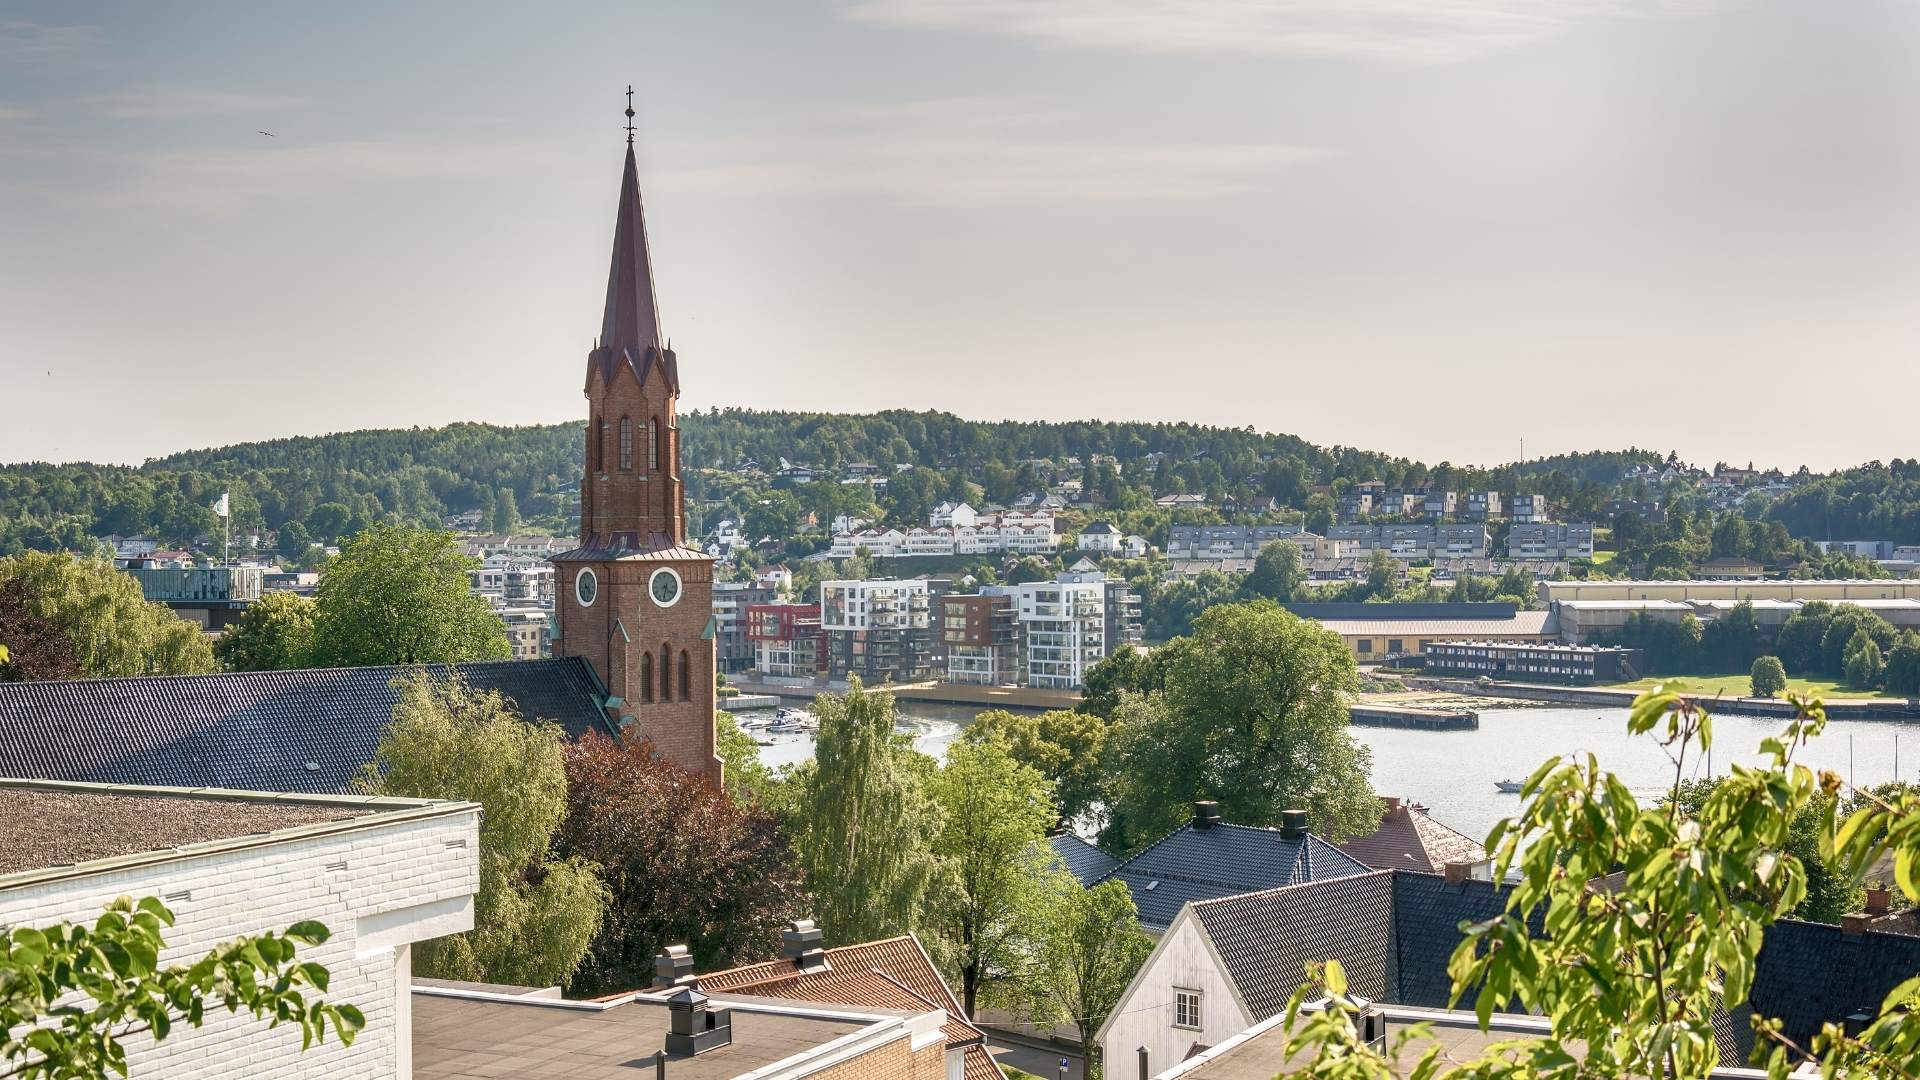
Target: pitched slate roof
[(1087, 863), (1811, 973), (1409, 839), (1192, 863), (1266, 940), (305, 731), (894, 973)]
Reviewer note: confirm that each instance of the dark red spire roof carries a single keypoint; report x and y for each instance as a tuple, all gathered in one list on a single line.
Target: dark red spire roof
[(630, 328)]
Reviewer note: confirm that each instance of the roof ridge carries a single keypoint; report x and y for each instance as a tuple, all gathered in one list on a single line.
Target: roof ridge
[(1263, 893)]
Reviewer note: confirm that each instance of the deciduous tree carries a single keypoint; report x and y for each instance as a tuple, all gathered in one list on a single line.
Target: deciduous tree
[(1064, 746), (1254, 715), (114, 630), (864, 824), (1768, 677), (36, 648), (274, 634), (535, 914), (1090, 948), (398, 595), (683, 864)]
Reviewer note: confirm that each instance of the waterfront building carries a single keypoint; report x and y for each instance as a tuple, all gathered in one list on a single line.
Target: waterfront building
[(981, 637), (880, 630), (1571, 665), (1376, 631), (733, 650), (787, 640)]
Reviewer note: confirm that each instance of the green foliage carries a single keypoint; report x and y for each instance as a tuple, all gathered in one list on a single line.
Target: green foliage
[(399, 595), (1731, 641), (1089, 949), (535, 914), (1278, 572), (1903, 666), (35, 647), (1848, 626), (72, 995), (1064, 747), (1768, 677), (1671, 648), (863, 822), (1863, 662), (1830, 892), (683, 863), (994, 813), (1254, 714), (274, 634), (748, 780), (506, 512), (101, 611), (1118, 672)]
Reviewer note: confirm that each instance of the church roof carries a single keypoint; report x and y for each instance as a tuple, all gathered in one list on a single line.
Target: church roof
[(305, 731), (630, 327)]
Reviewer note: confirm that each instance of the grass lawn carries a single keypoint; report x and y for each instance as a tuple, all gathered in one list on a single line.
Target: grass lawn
[(1740, 686), (1602, 558)]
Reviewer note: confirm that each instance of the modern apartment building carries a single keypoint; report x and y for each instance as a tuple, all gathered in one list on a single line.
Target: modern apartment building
[(1063, 626), (787, 640), (1528, 509), (733, 651), (1225, 541), (1413, 541), (1550, 541), (980, 634), (1483, 506), (880, 630)]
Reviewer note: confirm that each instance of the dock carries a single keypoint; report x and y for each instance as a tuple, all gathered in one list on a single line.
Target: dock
[(1407, 716)]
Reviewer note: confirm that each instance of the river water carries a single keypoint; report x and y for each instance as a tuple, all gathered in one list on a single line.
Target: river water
[(1453, 772)]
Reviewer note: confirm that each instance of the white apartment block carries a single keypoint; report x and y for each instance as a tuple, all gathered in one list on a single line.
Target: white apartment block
[(1550, 541), (380, 874), (1013, 532), (854, 605), (1063, 624)]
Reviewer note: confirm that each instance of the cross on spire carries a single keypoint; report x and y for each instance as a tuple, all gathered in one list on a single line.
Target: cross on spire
[(629, 114)]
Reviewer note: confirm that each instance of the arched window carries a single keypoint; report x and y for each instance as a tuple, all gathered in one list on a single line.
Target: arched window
[(686, 680), (646, 677), (666, 672), (600, 447), (626, 443), (653, 443)]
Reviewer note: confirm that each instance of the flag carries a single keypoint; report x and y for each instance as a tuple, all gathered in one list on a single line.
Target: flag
[(220, 505)]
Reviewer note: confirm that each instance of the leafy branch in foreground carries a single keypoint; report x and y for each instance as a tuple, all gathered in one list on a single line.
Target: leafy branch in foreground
[(69, 994), (1653, 919)]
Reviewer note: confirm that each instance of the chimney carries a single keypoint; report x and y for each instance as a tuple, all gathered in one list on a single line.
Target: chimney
[(1459, 872), (1855, 923), (674, 967), (1206, 814), (1143, 1062), (804, 944), (691, 1028), (1392, 801), (1879, 899), (1293, 824), (1373, 1027)]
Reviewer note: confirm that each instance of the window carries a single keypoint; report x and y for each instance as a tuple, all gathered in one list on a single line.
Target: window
[(686, 680), (1393, 644), (666, 673), (1186, 1008), (1364, 645), (626, 443), (600, 449), (653, 443), (646, 676)]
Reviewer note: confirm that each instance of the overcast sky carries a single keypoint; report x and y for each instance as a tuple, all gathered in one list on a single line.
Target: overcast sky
[(1433, 227)]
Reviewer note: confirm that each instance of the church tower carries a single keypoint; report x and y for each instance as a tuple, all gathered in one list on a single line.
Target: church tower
[(634, 599)]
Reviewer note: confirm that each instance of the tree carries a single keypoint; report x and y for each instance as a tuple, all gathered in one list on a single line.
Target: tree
[(863, 823), (683, 863), (534, 914), (1798, 642), (38, 649), (294, 542), (1768, 677), (1063, 745), (398, 595), (1090, 947), (1028, 568), (1731, 641), (1277, 572), (994, 813), (71, 994), (1320, 507), (1382, 571), (1254, 715), (506, 512), (1863, 662), (1903, 666), (1121, 670), (1831, 893), (1847, 626), (113, 629), (274, 634), (329, 521), (748, 780)]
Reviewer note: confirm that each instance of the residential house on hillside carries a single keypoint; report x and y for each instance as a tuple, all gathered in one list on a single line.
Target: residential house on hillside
[(1099, 536)]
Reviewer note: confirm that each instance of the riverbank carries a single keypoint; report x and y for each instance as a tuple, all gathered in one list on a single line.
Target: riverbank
[(1621, 698)]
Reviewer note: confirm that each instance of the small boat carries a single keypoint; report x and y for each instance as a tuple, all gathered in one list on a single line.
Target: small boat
[(1509, 787)]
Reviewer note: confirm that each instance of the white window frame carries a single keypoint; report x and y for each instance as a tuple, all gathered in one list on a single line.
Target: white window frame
[(1186, 1000)]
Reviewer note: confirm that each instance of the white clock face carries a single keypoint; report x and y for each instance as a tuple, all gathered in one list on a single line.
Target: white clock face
[(586, 587), (664, 587)]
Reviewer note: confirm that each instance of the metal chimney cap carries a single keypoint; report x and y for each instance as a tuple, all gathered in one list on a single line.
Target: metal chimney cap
[(1293, 824)]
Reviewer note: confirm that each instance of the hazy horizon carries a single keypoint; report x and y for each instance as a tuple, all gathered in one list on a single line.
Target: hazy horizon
[(1431, 231)]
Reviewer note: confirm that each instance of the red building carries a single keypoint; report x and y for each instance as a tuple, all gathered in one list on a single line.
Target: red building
[(634, 599), (787, 639)]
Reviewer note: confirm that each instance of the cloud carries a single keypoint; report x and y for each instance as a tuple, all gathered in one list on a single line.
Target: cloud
[(26, 42), (175, 102), (1419, 31), (972, 152)]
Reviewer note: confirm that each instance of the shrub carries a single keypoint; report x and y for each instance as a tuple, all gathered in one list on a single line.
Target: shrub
[(1769, 677)]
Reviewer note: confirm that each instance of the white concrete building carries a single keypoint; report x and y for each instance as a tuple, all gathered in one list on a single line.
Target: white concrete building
[(380, 874), (1063, 624)]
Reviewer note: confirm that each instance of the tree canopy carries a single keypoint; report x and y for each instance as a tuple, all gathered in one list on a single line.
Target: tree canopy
[(399, 595), (101, 612), (275, 633)]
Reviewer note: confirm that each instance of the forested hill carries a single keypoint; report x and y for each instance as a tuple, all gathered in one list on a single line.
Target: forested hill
[(424, 474)]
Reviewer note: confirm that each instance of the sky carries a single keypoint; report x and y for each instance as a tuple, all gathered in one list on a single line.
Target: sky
[(1431, 227)]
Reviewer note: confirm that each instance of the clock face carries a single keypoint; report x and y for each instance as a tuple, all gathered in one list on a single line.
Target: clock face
[(665, 587), (586, 587)]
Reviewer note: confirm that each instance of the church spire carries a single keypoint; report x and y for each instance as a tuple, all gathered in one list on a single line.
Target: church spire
[(630, 327)]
